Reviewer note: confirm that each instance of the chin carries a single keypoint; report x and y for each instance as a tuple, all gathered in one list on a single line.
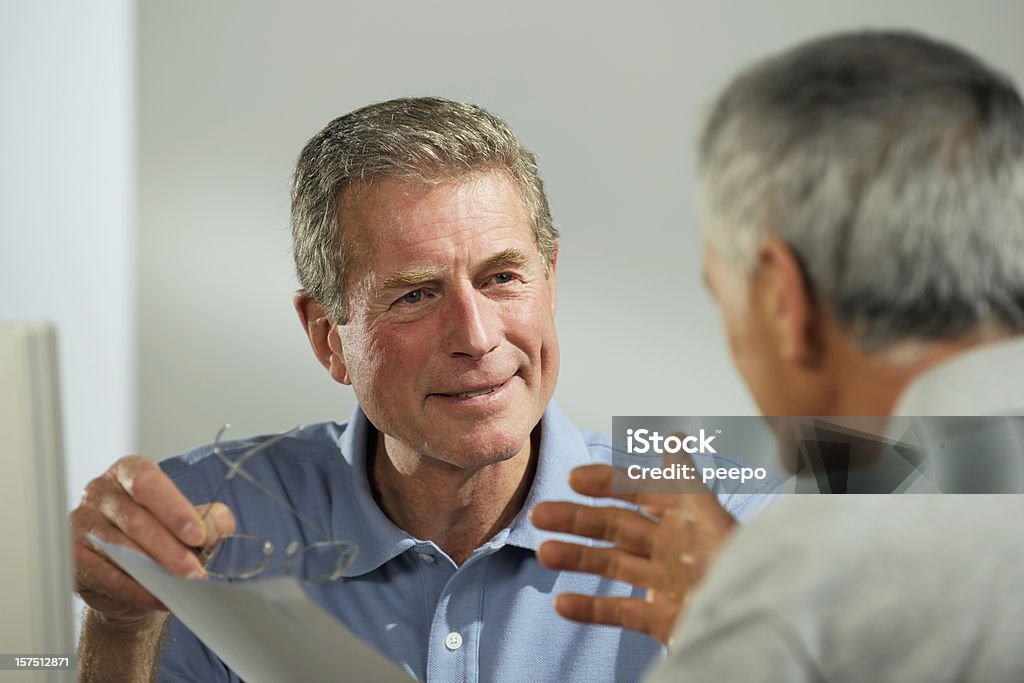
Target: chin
[(482, 447)]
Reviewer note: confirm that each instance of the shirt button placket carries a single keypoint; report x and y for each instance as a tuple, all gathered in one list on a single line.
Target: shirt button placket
[(453, 654)]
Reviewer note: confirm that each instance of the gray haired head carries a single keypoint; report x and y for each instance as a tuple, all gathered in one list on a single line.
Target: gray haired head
[(426, 140), (893, 166)]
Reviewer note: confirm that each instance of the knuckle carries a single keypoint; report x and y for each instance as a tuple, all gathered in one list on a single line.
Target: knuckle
[(82, 521), (121, 466), (575, 523), (614, 527), (633, 617), (142, 479), (127, 469), (93, 492), (613, 564), (133, 460), (133, 525)]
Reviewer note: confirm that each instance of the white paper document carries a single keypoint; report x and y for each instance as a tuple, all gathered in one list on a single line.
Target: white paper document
[(266, 630)]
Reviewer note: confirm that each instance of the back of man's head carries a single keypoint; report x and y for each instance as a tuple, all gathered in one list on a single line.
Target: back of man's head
[(893, 167), (423, 140)]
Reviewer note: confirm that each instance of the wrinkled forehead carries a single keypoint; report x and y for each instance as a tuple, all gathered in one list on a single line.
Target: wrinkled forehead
[(368, 208), (394, 224)]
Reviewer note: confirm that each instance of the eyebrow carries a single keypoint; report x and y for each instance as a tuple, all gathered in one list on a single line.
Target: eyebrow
[(410, 277), (507, 258)]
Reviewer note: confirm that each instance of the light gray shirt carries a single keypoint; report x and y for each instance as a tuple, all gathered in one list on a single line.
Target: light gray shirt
[(874, 588)]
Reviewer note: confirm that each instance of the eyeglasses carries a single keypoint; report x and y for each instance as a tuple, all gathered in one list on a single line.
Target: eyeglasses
[(243, 556)]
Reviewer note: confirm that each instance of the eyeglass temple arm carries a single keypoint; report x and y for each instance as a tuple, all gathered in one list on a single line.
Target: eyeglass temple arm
[(235, 468)]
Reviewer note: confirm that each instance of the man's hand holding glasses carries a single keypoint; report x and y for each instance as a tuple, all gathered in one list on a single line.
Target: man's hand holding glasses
[(135, 504)]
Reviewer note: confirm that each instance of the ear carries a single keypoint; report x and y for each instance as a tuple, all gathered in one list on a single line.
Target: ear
[(323, 336), (553, 279), (787, 305)]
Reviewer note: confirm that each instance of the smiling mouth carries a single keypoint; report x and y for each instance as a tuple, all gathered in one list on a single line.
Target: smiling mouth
[(475, 392), (481, 392)]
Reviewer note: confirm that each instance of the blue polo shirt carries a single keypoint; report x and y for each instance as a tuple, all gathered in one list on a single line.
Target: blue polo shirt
[(489, 620)]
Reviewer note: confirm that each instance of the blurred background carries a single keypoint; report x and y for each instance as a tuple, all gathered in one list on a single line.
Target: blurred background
[(147, 148)]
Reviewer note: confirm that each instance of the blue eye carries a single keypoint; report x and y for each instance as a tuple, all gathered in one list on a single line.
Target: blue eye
[(502, 278), (413, 297)]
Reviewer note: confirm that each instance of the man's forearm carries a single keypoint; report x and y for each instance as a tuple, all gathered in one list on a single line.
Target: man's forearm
[(108, 653)]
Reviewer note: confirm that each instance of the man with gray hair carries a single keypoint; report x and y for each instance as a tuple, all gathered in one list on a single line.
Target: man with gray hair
[(863, 201), (427, 255)]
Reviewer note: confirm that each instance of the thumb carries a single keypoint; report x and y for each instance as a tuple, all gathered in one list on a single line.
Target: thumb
[(218, 521)]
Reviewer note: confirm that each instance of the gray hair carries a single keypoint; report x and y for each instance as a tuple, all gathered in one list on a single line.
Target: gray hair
[(893, 167), (424, 140)]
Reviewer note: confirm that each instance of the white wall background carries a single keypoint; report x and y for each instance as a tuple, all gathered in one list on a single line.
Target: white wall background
[(609, 95), (188, 308), (67, 230)]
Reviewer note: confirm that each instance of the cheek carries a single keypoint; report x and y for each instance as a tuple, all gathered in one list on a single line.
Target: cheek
[(734, 337), (751, 353), (366, 358), (530, 325), (743, 348), (549, 352), (535, 306)]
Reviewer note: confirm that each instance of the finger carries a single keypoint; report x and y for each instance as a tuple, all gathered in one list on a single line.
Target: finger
[(148, 533), (151, 488), (633, 613), (627, 529), (611, 563), (101, 583), (88, 521), (95, 572), (594, 481), (605, 481)]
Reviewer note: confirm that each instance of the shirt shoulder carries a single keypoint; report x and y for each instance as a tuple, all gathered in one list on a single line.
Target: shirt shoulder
[(866, 571)]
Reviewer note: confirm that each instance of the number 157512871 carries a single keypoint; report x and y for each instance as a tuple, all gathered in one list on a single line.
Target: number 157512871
[(20, 661)]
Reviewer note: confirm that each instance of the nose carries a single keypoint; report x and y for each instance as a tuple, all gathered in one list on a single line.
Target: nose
[(473, 325)]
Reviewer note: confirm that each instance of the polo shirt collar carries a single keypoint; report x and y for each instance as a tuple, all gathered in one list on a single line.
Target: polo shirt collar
[(981, 381), (357, 517), (562, 447)]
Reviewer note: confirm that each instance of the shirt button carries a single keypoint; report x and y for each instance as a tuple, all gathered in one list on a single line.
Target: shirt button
[(453, 641), (427, 557)]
